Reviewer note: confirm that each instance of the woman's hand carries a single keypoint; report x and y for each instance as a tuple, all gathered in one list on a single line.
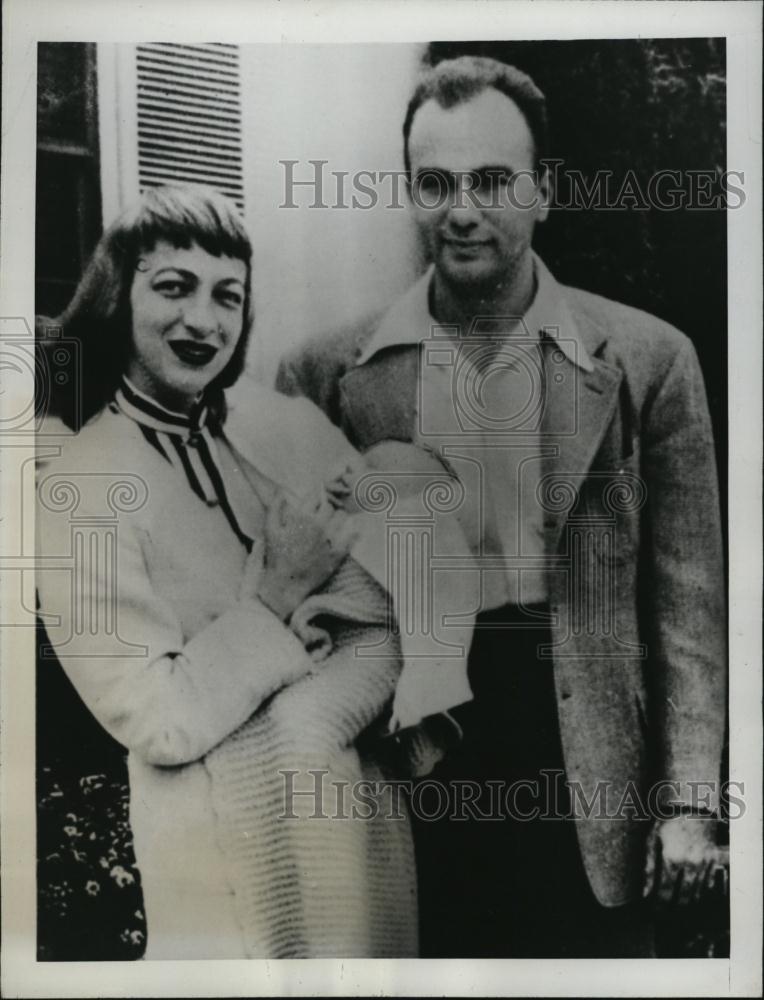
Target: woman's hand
[(340, 486), (304, 545)]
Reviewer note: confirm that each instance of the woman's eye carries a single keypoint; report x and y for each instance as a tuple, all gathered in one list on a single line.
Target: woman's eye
[(233, 300), (171, 289)]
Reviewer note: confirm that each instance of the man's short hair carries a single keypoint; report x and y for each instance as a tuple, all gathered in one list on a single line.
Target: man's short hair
[(456, 81)]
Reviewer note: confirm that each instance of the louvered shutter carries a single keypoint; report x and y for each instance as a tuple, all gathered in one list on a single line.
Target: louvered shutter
[(189, 116)]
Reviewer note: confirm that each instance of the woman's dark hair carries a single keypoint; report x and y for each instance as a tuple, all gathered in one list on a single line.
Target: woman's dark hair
[(98, 318), (456, 81)]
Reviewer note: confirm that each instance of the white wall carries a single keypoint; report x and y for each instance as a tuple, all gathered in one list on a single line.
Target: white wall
[(316, 268)]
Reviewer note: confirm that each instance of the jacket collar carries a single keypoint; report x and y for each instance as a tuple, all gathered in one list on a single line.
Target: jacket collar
[(148, 412), (409, 321)]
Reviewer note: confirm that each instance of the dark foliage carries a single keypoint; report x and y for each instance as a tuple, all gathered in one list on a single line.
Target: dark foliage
[(89, 899)]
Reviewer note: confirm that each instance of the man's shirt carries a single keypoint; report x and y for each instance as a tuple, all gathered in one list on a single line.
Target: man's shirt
[(480, 405)]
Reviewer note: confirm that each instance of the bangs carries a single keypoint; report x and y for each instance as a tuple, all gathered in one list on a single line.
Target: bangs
[(183, 216)]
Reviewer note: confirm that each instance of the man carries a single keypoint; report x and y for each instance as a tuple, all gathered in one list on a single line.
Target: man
[(581, 426)]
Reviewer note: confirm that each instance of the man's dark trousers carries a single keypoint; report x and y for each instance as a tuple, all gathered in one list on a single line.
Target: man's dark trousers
[(510, 886)]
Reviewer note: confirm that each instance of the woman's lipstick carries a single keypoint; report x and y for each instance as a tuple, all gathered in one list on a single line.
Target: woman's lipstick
[(193, 352)]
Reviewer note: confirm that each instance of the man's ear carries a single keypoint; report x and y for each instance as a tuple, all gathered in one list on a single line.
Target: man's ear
[(544, 192)]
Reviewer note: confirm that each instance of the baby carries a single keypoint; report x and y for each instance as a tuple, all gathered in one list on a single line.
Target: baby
[(394, 489)]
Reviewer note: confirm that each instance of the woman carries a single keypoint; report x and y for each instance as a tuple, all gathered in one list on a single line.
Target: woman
[(201, 529)]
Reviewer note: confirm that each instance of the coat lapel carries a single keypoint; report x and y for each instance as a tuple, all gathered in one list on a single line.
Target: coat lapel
[(379, 397), (578, 410)]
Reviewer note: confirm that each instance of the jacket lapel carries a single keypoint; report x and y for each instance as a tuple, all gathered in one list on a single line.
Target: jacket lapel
[(379, 397), (578, 410)]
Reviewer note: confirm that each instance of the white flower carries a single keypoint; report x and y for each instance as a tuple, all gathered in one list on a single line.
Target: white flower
[(121, 876)]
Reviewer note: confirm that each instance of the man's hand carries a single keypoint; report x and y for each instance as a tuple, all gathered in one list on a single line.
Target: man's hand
[(683, 861)]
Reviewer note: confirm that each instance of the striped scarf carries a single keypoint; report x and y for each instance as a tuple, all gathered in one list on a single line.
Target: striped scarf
[(186, 441)]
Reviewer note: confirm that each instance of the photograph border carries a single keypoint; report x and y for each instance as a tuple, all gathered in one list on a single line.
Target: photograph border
[(28, 21)]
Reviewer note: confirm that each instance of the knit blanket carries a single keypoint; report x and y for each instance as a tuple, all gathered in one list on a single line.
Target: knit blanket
[(329, 873)]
